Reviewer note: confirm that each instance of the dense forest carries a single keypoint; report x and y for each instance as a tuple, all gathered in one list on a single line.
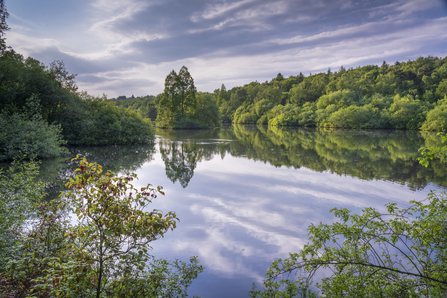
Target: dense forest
[(407, 95)]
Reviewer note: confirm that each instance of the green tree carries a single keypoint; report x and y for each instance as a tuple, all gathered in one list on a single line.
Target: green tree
[(408, 113), (222, 96), (206, 111), (179, 98), (3, 25), (61, 75), (114, 229), (186, 91)]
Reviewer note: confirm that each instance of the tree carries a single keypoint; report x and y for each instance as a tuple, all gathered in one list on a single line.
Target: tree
[(114, 228), (222, 96), (400, 253), (103, 250), (3, 25), (179, 97), (186, 90), (57, 69)]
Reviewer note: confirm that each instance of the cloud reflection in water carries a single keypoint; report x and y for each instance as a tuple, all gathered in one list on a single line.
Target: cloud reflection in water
[(238, 214)]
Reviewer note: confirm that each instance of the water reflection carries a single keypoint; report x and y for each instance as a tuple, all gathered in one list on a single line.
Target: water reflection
[(368, 155), (255, 191), (245, 195), (55, 172)]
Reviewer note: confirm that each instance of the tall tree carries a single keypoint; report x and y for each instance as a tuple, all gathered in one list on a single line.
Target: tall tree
[(179, 97), (3, 26), (222, 95), (186, 91)]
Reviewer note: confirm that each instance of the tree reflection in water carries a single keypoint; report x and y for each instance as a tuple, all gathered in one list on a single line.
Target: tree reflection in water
[(368, 155), (180, 161), (182, 149)]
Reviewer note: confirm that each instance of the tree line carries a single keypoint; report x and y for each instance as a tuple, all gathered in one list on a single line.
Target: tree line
[(407, 95)]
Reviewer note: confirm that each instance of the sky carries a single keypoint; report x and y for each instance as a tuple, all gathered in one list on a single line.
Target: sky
[(125, 47)]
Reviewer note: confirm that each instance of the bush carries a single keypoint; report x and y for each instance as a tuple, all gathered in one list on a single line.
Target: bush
[(288, 116), (100, 122), (263, 120), (262, 107), (245, 114), (307, 115), (19, 192), (35, 137)]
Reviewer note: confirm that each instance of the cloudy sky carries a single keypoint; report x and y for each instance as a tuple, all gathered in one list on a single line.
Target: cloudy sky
[(125, 47)]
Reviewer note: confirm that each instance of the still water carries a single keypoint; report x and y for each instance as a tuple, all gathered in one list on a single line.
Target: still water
[(245, 195)]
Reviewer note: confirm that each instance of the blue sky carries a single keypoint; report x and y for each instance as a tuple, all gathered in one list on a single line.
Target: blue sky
[(125, 47)]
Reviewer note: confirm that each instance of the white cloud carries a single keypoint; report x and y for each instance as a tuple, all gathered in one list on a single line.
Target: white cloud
[(213, 11)]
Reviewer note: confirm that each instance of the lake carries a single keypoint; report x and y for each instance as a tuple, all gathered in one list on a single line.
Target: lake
[(245, 195)]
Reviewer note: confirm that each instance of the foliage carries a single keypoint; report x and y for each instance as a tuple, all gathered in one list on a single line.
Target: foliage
[(397, 254), (206, 112), (341, 99), (103, 123), (103, 250), (3, 26), (397, 96), (83, 119), (407, 112), (284, 288), (19, 191), (179, 98), (437, 118), (356, 117), (146, 106), (29, 133), (181, 107)]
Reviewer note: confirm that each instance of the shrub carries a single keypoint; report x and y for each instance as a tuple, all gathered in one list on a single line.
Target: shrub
[(37, 138), (100, 122)]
